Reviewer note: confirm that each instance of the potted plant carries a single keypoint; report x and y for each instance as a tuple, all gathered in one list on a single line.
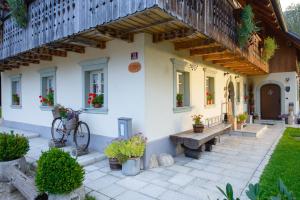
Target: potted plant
[(96, 100), (16, 99), (59, 176), (48, 100), (198, 125), (241, 119), (179, 100), (112, 151), (270, 47), (209, 98), (13, 147), (132, 150)]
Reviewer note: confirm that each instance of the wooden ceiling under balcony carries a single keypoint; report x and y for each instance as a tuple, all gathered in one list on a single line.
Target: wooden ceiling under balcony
[(155, 21)]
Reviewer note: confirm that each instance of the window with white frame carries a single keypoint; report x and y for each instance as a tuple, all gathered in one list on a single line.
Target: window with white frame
[(16, 90), (210, 90), (48, 88), (181, 87), (245, 93), (95, 84)]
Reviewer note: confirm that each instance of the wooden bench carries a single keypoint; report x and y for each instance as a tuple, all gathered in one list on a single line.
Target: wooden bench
[(194, 143)]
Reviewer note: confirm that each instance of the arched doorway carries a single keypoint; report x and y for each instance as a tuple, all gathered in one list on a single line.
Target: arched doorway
[(230, 102), (270, 101)]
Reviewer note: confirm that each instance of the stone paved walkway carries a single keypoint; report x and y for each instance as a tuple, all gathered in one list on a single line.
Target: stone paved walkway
[(237, 159)]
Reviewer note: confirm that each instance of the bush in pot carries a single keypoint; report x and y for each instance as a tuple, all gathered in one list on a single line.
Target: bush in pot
[(179, 100), (132, 150), (112, 151), (13, 148), (241, 119), (59, 175), (198, 125)]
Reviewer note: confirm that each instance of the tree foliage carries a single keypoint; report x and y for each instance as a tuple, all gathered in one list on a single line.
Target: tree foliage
[(292, 17)]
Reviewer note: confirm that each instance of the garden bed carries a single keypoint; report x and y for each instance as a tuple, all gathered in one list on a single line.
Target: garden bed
[(284, 164)]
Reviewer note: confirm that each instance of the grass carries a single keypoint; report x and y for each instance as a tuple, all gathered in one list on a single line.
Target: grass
[(284, 164)]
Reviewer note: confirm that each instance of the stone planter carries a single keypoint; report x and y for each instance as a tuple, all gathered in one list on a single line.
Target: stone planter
[(198, 128), (78, 194), (114, 164), (131, 167), (21, 163)]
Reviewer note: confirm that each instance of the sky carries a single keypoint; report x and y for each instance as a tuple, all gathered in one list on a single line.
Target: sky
[(286, 3)]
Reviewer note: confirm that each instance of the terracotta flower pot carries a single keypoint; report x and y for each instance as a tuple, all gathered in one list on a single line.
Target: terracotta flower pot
[(97, 105), (179, 104), (198, 128), (114, 164)]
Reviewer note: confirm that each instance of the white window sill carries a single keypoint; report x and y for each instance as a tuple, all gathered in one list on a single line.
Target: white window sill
[(46, 108), (182, 109), (96, 110), (210, 106), (16, 106)]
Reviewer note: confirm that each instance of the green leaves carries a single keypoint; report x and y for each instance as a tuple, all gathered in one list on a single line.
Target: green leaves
[(228, 194), (12, 146), (270, 47), (58, 173), (284, 194), (18, 11), (248, 26), (254, 193), (132, 148)]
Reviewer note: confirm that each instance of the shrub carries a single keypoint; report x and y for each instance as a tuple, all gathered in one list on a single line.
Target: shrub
[(133, 148), (12, 146), (58, 173), (242, 117), (88, 197), (248, 26), (270, 47), (113, 150), (179, 98)]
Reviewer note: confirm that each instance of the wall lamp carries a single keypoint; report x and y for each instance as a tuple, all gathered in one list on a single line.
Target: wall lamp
[(226, 73)]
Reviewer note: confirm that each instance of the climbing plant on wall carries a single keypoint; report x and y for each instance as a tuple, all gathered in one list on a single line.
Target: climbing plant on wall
[(270, 47), (18, 11), (247, 26)]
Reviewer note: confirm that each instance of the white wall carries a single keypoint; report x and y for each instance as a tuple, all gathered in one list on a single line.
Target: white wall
[(161, 121), (125, 90), (281, 80)]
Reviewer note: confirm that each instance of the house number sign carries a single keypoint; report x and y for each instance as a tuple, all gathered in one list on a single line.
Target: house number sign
[(134, 55)]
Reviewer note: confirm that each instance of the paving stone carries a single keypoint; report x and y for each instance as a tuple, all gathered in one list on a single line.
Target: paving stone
[(172, 195), (113, 190), (94, 175), (90, 168), (180, 169), (99, 196), (206, 175), (152, 190), (102, 182), (132, 195), (132, 183), (181, 179)]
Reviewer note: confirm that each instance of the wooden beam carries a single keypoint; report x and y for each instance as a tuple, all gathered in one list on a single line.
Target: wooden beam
[(201, 43), (49, 51), (220, 56), (207, 51), (229, 60), (86, 41), (129, 37), (179, 33), (68, 47)]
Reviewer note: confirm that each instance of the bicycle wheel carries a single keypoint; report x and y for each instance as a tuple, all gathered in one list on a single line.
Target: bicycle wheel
[(57, 130), (82, 136)]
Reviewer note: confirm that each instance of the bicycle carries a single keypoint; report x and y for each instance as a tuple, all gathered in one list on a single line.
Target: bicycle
[(62, 127)]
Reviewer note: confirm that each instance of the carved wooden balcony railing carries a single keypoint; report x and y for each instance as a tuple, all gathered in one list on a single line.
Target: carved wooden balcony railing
[(51, 21)]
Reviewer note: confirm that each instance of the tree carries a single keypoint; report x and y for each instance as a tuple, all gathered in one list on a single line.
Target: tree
[(292, 17)]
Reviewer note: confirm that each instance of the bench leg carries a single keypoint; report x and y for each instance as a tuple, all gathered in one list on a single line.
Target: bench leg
[(193, 153), (208, 147)]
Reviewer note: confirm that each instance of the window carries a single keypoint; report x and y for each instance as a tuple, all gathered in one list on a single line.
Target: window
[(238, 92), (210, 90), (95, 85), (48, 88), (16, 91), (245, 93), (181, 78)]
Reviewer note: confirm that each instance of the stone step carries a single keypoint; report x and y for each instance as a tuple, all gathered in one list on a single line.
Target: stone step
[(251, 130), (29, 135)]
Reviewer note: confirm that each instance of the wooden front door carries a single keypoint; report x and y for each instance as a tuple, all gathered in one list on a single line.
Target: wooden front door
[(270, 101)]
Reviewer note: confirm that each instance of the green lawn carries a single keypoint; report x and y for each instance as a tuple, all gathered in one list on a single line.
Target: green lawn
[(284, 164)]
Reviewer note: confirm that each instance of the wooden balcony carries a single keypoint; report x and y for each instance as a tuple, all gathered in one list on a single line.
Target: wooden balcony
[(205, 27)]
